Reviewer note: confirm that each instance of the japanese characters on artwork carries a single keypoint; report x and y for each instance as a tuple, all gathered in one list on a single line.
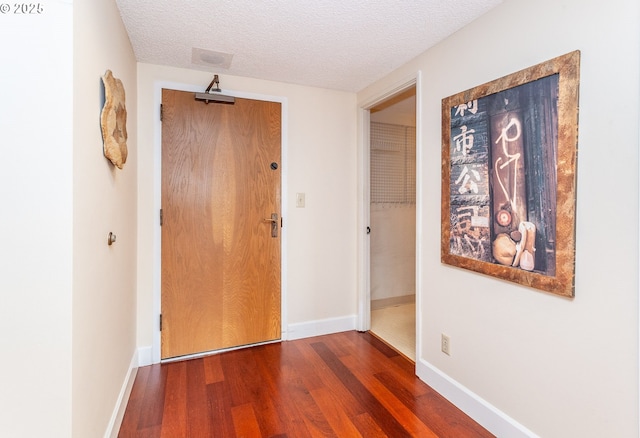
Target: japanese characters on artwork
[(503, 160), (509, 160)]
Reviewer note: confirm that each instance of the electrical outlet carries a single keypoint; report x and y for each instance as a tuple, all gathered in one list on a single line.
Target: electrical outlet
[(446, 344)]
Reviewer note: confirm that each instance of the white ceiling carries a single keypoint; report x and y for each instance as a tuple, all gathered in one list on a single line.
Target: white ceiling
[(337, 44)]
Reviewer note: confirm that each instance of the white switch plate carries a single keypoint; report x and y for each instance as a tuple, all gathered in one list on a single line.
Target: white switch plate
[(300, 200)]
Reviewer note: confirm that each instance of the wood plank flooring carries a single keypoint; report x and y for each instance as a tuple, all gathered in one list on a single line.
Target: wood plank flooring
[(341, 385)]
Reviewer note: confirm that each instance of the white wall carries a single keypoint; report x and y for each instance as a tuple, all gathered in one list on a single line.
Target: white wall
[(36, 247), (559, 367), (393, 250), (320, 136), (393, 236), (68, 303), (104, 197)]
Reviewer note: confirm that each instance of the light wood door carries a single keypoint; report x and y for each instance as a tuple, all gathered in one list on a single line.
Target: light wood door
[(221, 186)]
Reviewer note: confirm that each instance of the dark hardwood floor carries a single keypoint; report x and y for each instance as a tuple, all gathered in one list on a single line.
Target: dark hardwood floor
[(342, 385)]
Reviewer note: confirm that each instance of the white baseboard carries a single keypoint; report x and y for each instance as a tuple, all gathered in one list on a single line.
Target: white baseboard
[(293, 331), (487, 415), (123, 398), (145, 356), (382, 303), (321, 327)]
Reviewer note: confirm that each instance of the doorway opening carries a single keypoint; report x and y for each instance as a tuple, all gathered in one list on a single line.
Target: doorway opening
[(392, 213)]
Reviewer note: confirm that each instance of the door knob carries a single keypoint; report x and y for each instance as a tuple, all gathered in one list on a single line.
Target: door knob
[(274, 224)]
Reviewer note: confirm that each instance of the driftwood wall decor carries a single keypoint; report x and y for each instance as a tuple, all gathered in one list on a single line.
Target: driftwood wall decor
[(114, 121), (509, 151)]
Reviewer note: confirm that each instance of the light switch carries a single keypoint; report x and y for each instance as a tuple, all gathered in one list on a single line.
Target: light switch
[(300, 200)]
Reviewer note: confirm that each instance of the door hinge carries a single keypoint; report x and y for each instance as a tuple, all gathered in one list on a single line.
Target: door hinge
[(161, 112), (161, 322), (161, 218)]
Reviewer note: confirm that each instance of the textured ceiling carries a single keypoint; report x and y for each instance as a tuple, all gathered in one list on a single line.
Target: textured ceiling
[(336, 44)]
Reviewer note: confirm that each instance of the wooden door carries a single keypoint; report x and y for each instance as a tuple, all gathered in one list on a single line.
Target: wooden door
[(220, 248)]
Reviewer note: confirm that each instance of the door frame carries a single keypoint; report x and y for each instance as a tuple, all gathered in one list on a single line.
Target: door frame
[(364, 201), (157, 196)]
